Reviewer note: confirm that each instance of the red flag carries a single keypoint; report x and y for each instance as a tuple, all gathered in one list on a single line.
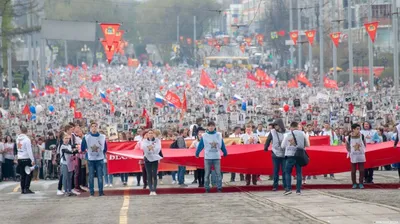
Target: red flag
[(84, 93), (247, 85), (251, 77), (281, 33), (335, 38), (118, 35), (109, 51), (50, 90), (77, 114), (173, 99), (351, 108), (62, 90), (109, 31), (293, 84), (96, 78), (371, 28), (303, 79), (26, 110), (189, 73), (72, 104), (294, 35), (184, 102), (112, 108), (260, 39), (150, 64), (330, 84), (208, 101), (310, 36), (147, 117), (206, 81)]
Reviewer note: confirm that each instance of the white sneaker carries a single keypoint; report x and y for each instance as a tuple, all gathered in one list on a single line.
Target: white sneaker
[(75, 192), (151, 193), (174, 182), (106, 185), (154, 193), (59, 193), (110, 185)]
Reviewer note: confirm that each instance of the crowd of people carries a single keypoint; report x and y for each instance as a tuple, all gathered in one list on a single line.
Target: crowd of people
[(68, 147)]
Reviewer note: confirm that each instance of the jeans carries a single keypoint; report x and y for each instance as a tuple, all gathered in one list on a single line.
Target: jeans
[(208, 163), (8, 169), (98, 166), (290, 163), (1, 169), (124, 178), (67, 178), (51, 170), (181, 174), (279, 164), (151, 169), (108, 178), (173, 174)]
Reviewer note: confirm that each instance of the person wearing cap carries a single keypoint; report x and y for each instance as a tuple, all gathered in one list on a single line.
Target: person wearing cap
[(95, 145), (212, 143), (278, 153)]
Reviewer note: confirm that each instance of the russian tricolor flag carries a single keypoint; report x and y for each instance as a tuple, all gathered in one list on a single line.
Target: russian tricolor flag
[(235, 98), (159, 100), (104, 98)]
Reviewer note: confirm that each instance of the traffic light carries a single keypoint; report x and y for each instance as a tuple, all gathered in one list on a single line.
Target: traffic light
[(270, 56), (289, 61)]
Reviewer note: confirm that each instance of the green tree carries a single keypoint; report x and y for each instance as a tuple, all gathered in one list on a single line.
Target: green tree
[(9, 10)]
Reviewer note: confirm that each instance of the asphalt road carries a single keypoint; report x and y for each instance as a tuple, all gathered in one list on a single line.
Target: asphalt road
[(314, 206)]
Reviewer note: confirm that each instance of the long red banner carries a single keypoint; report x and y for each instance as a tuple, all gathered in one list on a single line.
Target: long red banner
[(253, 159), (124, 163)]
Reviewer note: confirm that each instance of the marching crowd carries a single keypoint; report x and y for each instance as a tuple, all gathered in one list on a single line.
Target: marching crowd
[(76, 158), (66, 146)]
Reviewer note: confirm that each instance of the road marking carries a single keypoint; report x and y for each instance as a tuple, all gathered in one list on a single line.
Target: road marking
[(123, 213), (16, 189)]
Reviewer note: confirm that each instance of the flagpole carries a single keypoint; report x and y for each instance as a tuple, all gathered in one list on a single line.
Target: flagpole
[(395, 31), (291, 29), (194, 42), (29, 17), (350, 39), (335, 76), (370, 51), (299, 53), (310, 53), (9, 71), (321, 44)]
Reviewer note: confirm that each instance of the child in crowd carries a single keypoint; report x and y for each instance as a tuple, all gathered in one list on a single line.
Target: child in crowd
[(356, 148), (67, 164)]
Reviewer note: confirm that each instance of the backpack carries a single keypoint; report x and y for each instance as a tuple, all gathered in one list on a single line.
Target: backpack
[(362, 137), (301, 156)]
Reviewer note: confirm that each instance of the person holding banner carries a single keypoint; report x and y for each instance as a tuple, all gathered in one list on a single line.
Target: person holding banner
[(151, 147), (250, 138), (278, 153), (355, 145), (95, 145), (212, 143), (195, 143)]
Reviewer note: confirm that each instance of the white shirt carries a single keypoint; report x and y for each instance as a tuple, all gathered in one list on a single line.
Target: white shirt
[(138, 138), (332, 135)]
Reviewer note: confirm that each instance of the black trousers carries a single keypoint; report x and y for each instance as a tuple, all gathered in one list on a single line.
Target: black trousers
[(25, 178), (200, 176), (369, 175)]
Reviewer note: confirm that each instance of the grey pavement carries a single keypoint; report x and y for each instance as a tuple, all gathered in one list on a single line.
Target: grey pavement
[(313, 206)]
